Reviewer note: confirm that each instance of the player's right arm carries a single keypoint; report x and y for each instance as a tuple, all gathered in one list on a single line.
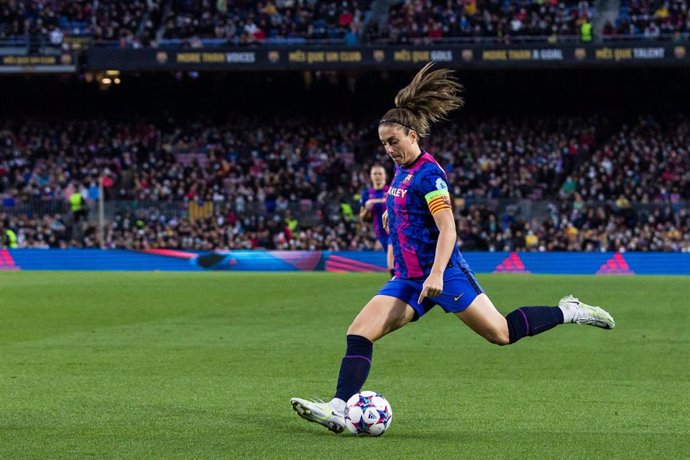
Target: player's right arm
[(364, 213)]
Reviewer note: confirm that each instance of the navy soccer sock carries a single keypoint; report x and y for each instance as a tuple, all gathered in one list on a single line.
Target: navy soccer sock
[(355, 366), (532, 321)]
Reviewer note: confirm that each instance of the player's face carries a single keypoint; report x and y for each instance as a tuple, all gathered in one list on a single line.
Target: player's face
[(401, 147), (378, 177)]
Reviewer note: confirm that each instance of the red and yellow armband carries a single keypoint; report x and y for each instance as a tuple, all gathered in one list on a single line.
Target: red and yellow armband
[(438, 200)]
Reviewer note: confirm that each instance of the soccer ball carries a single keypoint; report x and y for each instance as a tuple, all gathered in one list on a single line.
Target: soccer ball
[(368, 413)]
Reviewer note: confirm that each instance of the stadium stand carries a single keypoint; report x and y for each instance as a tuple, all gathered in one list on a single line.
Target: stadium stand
[(197, 23), (521, 184), (130, 24), (653, 19), (20, 18), (106, 21), (415, 21), (273, 22)]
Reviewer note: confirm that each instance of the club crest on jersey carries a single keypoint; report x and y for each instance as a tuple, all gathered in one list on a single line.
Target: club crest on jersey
[(441, 184), (407, 178)]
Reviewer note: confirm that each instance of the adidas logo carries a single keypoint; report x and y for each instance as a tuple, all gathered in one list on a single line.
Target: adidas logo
[(616, 265), (6, 261), (511, 264)]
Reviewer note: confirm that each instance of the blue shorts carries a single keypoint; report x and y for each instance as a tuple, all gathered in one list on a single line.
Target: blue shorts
[(460, 288)]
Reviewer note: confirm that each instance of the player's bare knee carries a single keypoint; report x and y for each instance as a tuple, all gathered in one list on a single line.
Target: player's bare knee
[(364, 330), (497, 337), (354, 328)]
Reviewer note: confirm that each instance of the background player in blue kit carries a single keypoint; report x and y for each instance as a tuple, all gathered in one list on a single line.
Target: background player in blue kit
[(372, 208), (429, 269)]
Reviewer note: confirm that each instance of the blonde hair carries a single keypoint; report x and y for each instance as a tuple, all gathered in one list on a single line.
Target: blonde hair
[(430, 96)]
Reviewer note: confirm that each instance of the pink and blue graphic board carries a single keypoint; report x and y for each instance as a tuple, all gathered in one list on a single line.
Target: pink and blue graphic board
[(564, 263)]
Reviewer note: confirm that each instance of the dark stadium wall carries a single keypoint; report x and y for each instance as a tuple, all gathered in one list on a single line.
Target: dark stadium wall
[(355, 96)]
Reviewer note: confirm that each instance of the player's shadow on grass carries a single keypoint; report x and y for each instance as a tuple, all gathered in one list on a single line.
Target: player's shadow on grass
[(317, 432)]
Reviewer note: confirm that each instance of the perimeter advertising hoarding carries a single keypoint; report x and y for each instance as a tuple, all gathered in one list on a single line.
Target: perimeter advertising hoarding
[(301, 58), (14, 63), (561, 263)]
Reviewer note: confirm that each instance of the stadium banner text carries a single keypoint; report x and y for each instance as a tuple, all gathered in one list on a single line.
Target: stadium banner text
[(557, 263), (393, 57), (13, 63)]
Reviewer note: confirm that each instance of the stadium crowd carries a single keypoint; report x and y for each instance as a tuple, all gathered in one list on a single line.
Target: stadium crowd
[(138, 23), (255, 22), (211, 186), (415, 20), (131, 24), (18, 18), (651, 18)]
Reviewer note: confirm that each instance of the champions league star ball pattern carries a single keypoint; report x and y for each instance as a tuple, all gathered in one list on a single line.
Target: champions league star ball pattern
[(368, 413)]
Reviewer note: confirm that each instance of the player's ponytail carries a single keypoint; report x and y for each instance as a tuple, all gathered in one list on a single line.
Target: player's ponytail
[(430, 96)]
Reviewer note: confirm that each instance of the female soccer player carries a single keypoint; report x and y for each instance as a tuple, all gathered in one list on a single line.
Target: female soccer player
[(429, 269), (372, 208)]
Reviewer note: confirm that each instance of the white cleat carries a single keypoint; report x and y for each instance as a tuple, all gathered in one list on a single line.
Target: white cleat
[(587, 314), (319, 412)]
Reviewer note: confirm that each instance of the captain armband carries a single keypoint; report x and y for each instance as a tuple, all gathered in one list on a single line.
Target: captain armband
[(438, 200)]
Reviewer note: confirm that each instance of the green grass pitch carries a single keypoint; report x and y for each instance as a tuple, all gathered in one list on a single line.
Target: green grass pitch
[(202, 365)]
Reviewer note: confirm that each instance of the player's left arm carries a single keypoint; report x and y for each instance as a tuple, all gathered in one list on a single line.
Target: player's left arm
[(438, 201), (447, 238)]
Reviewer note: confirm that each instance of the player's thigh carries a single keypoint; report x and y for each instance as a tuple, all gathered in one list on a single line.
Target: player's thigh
[(381, 315), (484, 319)]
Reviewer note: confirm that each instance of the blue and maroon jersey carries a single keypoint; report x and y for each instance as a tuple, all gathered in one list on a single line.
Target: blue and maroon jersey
[(417, 192), (377, 209)]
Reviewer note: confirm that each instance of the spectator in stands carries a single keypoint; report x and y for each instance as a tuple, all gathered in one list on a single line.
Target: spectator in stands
[(9, 237), (586, 35)]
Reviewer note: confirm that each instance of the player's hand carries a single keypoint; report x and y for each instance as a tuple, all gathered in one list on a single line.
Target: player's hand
[(432, 287), (369, 205), (384, 218)]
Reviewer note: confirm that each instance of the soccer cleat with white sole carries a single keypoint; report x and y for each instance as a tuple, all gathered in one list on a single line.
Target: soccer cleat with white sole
[(587, 314), (319, 412)]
